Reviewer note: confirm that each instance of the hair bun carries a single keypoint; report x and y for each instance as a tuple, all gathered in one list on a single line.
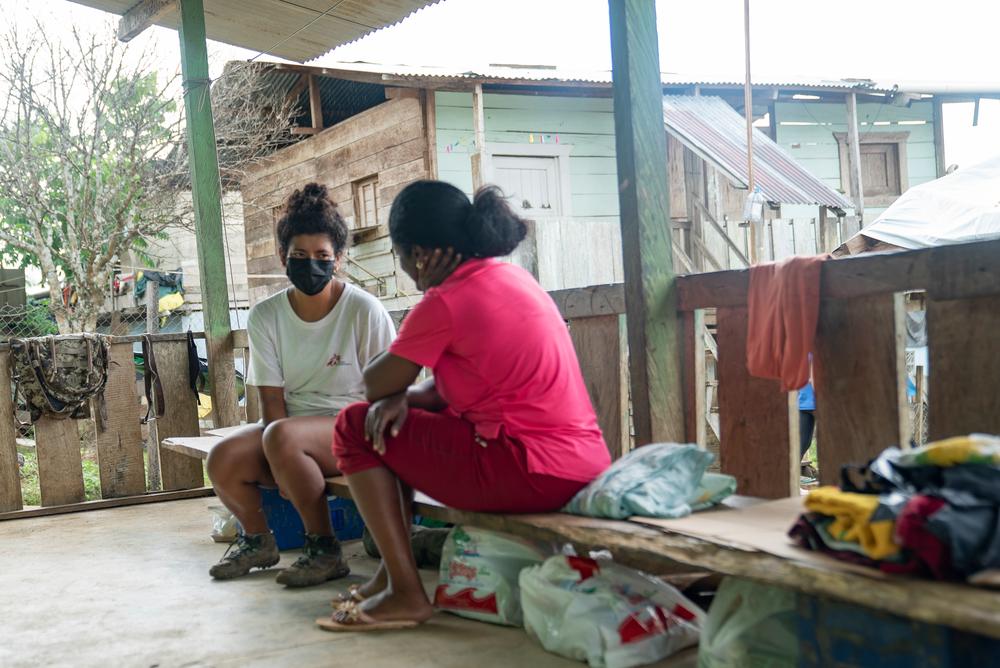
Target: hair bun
[(496, 229), (312, 198)]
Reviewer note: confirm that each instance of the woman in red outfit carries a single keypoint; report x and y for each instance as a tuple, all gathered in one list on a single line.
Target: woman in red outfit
[(505, 425)]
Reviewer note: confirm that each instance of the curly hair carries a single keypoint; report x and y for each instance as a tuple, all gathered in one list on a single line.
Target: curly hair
[(311, 211)]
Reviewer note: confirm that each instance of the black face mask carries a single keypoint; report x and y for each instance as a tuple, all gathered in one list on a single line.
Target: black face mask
[(308, 275)]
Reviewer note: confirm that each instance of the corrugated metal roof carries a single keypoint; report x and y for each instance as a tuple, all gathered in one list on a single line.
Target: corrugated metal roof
[(297, 30), (547, 74), (712, 129)]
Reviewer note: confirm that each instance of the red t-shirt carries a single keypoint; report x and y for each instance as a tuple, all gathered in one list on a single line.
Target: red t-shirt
[(503, 359)]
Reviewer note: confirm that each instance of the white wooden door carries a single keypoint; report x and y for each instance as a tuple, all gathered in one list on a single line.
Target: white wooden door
[(531, 184)]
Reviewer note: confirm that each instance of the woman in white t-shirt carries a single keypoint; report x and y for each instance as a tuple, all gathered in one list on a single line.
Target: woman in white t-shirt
[(308, 347)]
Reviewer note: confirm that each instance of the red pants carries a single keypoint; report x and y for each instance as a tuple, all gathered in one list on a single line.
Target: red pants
[(438, 455)]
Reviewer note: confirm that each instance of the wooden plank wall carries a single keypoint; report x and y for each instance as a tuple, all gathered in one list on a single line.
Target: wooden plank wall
[(760, 423), (388, 141), (177, 471), (10, 480), (119, 443), (60, 469)]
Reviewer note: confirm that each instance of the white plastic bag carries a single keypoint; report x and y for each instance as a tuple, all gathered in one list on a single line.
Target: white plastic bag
[(606, 614), (479, 575), (224, 524)]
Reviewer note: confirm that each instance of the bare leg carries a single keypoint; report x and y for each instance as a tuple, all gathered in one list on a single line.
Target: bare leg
[(298, 451), (377, 494), (380, 581), (236, 467)]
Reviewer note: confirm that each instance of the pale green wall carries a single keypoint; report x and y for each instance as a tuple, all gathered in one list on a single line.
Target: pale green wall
[(815, 146), (585, 123)]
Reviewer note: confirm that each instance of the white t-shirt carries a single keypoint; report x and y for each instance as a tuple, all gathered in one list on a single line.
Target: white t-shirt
[(319, 364)]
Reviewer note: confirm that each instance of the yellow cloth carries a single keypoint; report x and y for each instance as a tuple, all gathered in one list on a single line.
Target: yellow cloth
[(204, 406), (170, 302), (852, 515), (971, 449)]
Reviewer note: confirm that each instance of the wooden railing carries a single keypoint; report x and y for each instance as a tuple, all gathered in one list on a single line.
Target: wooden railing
[(860, 379), (595, 318), (119, 446)]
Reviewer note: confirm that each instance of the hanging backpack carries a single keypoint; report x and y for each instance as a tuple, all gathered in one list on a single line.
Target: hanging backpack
[(58, 375)]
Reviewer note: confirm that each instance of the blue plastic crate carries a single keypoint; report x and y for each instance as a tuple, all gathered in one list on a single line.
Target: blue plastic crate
[(286, 524)]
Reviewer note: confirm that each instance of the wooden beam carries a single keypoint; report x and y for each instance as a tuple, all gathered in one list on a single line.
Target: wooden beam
[(760, 423), (142, 15), (725, 235), (644, 203), (119, 443), (10, 479), (860, 372), (428, 99), (207, 195), (694, 378), (315, 103), (60, 468), (964, 366), (103, 504), (181, 418), (941, 167), (590, 301), (479, 156), (305, 131), (948, 272), (854, 156), (596, 341)]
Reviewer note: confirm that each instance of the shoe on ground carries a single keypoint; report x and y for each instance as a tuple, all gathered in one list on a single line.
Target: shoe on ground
[(321, 560), (247, 552)]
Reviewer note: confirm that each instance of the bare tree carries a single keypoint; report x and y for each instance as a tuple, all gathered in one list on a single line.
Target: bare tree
[(93, 157)]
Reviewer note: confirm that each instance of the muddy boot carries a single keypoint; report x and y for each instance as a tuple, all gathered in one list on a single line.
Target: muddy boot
[(246, 552), (321, 560)]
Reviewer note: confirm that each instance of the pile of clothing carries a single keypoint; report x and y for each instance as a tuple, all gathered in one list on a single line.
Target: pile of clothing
[(932, 511)]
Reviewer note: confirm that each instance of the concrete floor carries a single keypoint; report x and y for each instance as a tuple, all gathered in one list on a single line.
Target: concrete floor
[(129, 587)]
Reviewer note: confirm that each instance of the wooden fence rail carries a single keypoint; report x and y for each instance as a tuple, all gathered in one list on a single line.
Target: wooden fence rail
[(860, 383), (596, 320)]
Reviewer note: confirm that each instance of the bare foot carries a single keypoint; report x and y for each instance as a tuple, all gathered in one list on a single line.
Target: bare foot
[(389, 606), (378, 583)]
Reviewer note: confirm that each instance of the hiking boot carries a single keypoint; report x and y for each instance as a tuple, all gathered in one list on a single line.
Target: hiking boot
[(321, 560), (246, 552)]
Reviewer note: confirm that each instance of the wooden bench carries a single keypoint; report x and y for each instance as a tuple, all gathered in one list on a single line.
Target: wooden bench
[(198, 446), (744, 538)]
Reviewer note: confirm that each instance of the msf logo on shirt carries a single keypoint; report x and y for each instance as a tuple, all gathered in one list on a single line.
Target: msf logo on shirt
[(337, 360)]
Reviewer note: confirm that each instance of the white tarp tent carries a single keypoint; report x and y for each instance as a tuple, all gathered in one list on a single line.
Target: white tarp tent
[(961, 207)]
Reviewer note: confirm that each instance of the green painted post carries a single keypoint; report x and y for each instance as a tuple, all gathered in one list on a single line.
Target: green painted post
[(207, 195), (643, 194)]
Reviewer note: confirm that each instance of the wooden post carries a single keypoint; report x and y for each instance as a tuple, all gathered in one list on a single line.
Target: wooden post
[(854, 157), (759, 422), (177, 471), (479, 159), (207, 195), (596, 343), (119, 443), (430, 132), (860, 371), (694, 378), (315, 104), (644, 203), (60, 469), (939, 155), (10, 480), (152, 307)]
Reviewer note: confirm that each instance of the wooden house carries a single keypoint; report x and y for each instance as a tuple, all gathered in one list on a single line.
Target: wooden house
[(547, 139)]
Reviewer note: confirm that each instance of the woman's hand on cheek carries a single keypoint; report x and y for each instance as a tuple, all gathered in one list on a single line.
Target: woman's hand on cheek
[(435, 267), (386, 414)]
